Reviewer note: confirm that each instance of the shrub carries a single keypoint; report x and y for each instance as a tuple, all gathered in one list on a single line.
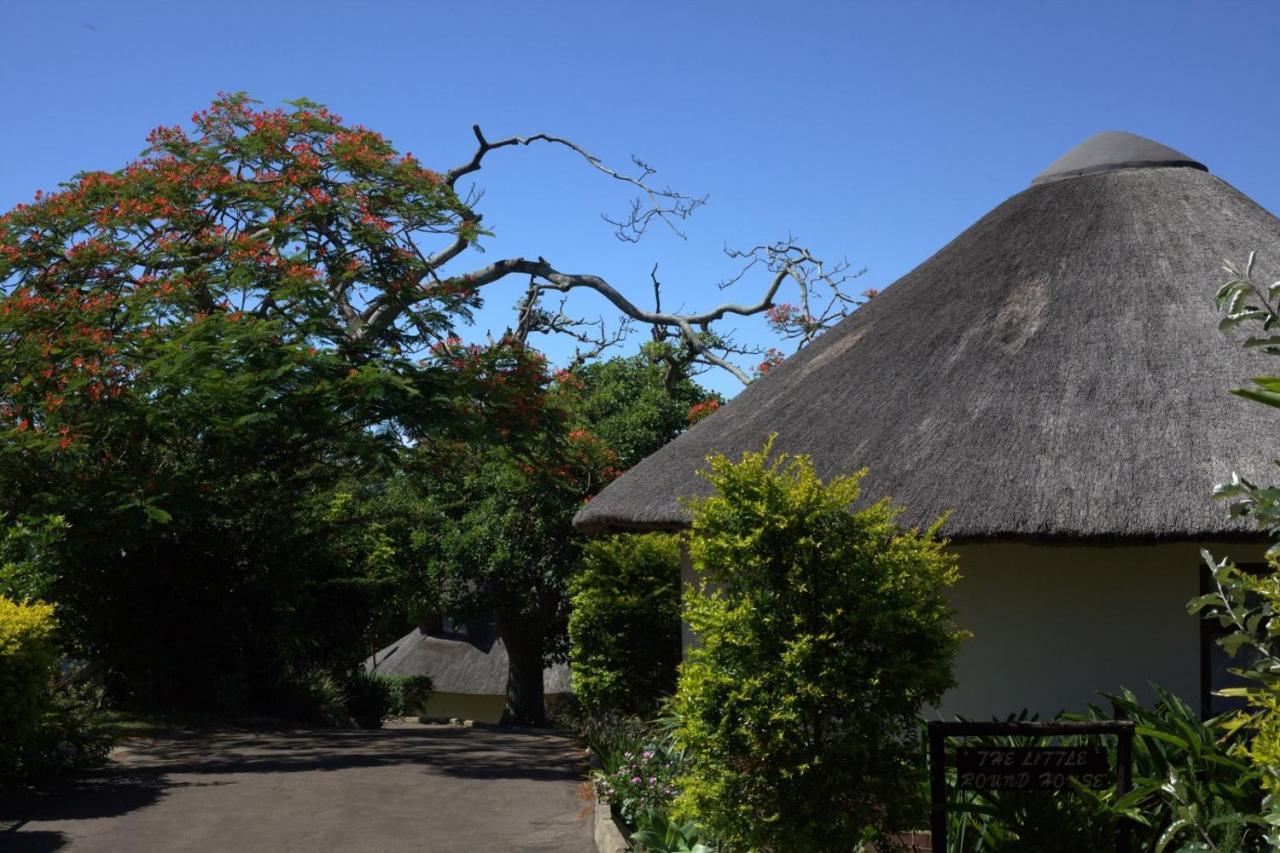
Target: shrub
[(823, 632), (658, 832), (314, 697), (1247, 606), (48, 725), (624, 626), (637, 764), (27, 661), (642, 780), (368, 699), (407, 694), (72, 733)]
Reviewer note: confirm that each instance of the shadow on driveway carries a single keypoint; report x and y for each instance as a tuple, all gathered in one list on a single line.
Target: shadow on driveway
[(405, 787)]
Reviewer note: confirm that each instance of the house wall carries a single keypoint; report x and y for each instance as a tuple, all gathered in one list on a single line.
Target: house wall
[(481, 708), (1052, 625)]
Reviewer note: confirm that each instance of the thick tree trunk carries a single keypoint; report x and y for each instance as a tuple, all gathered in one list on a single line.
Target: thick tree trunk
[(526, 705)]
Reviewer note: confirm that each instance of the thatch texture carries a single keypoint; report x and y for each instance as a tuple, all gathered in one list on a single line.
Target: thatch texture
[(1054, 371), (457, 665)]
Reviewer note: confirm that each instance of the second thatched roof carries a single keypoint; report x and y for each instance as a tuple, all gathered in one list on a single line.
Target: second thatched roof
[(1053, 372), (458, 664)]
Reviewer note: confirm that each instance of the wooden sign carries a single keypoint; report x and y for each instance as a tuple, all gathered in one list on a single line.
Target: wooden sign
[(1027, 768), (1031, 768)]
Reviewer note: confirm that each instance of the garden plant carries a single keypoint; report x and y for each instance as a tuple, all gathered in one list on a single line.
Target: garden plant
[(821, 634)]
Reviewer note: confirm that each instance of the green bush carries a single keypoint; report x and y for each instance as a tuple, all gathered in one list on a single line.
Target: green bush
[(314, 697), (28, 658), (48, 725), (368, 700), (657, 832), (624, 626), (407, 694), (72, 733), (822, 634)]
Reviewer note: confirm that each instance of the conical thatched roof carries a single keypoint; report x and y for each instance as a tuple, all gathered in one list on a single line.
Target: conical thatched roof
[(457, 664), (1054, 371)]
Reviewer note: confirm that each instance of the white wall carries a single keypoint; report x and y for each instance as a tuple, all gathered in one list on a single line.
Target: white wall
[(1054, 624), (465, 706), (688, 578)]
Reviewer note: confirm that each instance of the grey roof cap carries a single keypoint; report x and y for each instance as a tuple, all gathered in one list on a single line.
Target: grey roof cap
[(1113, 150)]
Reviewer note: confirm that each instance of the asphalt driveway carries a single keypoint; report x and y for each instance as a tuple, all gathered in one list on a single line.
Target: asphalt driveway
[(406, 787)]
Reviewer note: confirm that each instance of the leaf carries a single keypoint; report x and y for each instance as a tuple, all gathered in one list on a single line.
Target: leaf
[(1170, 833), (156, 514), (251, 418), (1146, 731), (1269, 398)]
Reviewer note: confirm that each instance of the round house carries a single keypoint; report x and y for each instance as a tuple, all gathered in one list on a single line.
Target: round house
[(1055, 381)]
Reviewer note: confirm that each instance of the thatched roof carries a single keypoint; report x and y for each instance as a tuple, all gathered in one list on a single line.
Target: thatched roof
[(457, 664), (1054, 371)]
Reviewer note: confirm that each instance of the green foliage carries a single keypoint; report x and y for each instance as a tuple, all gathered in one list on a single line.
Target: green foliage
[(1189, 785), (642, 779), (48, 724), (314, 697), (368, 699), (505, 551), (72, 733), (28, 658), (637, 404), (1248, 605), (638, 763), (658, 832), (408, 693), (1244, 300), (28, 562), (1189, 788), (499, 540), (624, 626), (823, 632), (1244, 604), (190, 386)]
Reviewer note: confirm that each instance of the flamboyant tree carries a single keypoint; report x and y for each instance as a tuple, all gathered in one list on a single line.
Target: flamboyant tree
[(196, 350)]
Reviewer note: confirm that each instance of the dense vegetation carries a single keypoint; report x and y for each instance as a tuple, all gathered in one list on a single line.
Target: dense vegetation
[(624, 626), (822, 635)]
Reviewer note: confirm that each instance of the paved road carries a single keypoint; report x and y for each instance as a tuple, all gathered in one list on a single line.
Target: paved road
[(408, 787)]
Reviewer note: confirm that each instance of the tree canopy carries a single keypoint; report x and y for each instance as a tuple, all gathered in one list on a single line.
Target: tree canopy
[(222, 365)]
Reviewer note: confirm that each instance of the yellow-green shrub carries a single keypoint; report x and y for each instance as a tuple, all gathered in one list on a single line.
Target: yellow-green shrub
[(624, 626), (822, 634), (1248, 606), (27, 660)]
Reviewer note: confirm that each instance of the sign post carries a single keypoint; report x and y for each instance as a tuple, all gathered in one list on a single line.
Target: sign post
[(1026, 768)]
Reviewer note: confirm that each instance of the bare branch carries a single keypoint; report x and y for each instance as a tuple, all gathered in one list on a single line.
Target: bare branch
[(665, 204), (595, 336)]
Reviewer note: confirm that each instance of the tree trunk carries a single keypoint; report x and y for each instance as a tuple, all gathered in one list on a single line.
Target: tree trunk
[(526, 704)]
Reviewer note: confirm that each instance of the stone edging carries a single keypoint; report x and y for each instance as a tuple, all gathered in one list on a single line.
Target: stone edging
[(608, 836)]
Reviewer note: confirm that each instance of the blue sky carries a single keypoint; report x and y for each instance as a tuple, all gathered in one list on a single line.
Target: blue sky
[(875, 132)]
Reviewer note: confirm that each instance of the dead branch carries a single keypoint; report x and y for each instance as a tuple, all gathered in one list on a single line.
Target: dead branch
[(665, 205)]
